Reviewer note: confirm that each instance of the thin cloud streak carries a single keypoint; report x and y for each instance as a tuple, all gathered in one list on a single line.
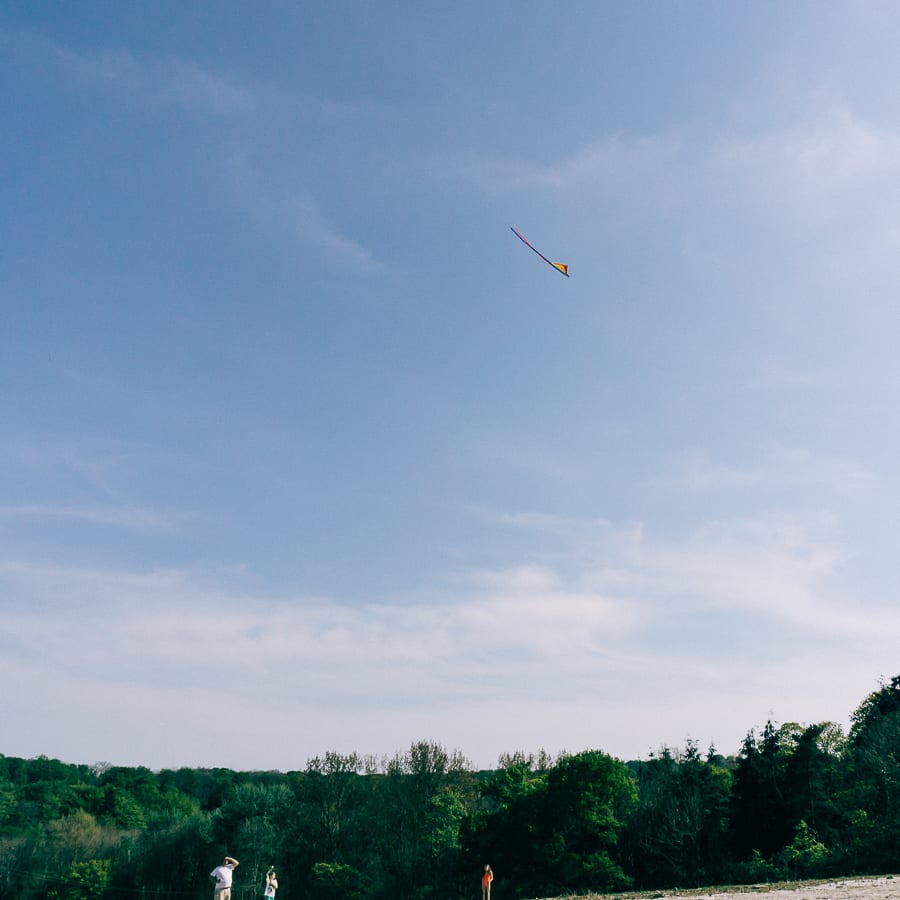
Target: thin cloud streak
[(175, 82), (171, 82), (780, 469), (103, 467), (97, 515), (290, 214)]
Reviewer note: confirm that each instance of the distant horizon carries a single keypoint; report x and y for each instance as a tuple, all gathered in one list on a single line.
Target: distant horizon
[(384, 757)]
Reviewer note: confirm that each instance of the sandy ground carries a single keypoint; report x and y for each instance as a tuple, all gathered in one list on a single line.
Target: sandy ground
[(880, 887)]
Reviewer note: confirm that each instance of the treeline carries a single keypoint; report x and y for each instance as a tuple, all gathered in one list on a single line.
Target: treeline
[(794, 802)]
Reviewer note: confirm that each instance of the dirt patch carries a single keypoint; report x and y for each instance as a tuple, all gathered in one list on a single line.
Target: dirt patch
[(879, 887)]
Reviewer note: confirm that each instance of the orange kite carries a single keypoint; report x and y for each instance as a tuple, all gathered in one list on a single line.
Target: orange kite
[(562, 268)]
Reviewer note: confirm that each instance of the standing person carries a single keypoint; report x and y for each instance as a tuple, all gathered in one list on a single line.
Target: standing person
[(221, 875), (486, 880), (271, 883)]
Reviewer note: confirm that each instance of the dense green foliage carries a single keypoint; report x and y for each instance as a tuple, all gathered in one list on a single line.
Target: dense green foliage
[(794, 802)]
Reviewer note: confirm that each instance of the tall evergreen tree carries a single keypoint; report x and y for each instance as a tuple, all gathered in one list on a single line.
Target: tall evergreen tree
[(875, 762), (757, 802), (678, 833)]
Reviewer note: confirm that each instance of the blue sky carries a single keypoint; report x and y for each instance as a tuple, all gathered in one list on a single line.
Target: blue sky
[(301, 450)]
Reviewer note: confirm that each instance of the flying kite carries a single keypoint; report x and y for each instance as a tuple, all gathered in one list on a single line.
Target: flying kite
[(560, 267)]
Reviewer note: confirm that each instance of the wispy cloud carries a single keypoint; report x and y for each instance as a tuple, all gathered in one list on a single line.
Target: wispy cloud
[(104, 469), (304, 217), (833, 151), (290, 213), (96, 515), (623, 613), (781, 468), (778, 567), (814, 167), (612, 163), (773, 566), (172, 82), (179, 82), (774, 375), (285, 208)]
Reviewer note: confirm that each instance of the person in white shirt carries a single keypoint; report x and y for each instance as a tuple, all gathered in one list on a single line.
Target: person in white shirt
[(222, 877), (271, 883)]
